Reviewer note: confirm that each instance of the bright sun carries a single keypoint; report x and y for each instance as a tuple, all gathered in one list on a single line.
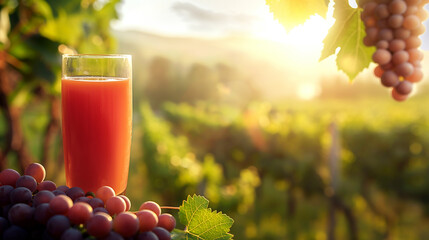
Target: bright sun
[(311, 32)]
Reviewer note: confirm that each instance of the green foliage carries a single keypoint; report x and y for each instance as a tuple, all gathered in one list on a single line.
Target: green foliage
[(36, 33), (347, 34), (268, 167), (33, 35), (203, 223)]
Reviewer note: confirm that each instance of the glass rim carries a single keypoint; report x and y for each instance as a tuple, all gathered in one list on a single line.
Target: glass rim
[(96, 55)]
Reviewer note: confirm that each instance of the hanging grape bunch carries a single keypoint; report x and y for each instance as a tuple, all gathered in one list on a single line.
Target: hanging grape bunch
[(394, 27)]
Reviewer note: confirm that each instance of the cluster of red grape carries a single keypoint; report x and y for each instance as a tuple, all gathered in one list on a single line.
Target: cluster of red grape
[(393, 27), (34, 208)]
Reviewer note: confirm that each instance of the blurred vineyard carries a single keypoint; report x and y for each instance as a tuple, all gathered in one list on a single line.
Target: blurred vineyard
[(297, 171), (350, 164)]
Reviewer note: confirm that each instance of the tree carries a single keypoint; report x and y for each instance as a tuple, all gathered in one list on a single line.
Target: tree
[(33, 35)]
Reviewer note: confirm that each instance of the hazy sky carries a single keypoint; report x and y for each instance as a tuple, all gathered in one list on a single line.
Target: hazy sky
[(204, 18)]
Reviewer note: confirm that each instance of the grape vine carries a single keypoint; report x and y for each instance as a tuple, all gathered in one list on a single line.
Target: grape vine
[(385, 32)]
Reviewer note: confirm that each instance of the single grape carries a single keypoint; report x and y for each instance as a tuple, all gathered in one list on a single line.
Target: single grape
[(72, 234), (83, 199), (75, 193), (21, 214), (42, 213), (79, 213), (21, 195), (147, 220), (115, 205), (167, 221), (378, 71), (127, 202), (416, 76), (389, 79), (43, 196), (47, 185), (382, 44), (5, 191), (60, 204), (63, 188), (397, 7), (126, 224), (100, 209), (404, 87), (415, 54), (104, 193), (99, 225), (14, 233), (368, 41), (96, 202), (147, 236), (381, 11), (369, 21), (395, 21), (151, 205), (422, 14), (401, 33), (369, 8), (411, 10), (413, 42), (381, 56), (9, 177), (27, 182), (404, 69), (37, 171), (161, 233), (396, 45), (398, 97), (57, 225), (419, 30), (385, 34), (400, 57), (411, 22)]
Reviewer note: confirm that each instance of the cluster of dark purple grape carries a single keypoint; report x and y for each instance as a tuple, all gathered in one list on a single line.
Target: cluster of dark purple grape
[(34, 208), (393, 27)]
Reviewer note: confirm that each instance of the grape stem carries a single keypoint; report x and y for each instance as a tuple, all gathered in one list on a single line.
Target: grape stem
[(169, 207), (163, 207)]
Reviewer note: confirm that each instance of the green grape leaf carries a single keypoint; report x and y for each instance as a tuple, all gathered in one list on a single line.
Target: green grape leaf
[(201, 222), (347, 33), (291, 13)]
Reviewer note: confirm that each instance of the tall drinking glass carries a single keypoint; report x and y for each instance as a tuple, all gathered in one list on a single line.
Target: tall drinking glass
[(96, 120)]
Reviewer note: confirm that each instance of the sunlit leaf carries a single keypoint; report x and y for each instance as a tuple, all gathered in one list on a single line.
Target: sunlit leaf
[(291, 13), (347, 34), (4, 25), (201, 222), (55, 29)]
